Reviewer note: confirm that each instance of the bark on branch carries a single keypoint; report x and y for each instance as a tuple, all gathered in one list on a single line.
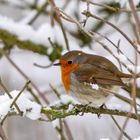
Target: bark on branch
[(63, 111)]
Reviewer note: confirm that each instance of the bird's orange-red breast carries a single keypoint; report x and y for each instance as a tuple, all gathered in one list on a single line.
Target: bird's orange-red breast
[(66, 70), (80, 71)]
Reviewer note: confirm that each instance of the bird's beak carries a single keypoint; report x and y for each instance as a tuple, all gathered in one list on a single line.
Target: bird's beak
[(57, 64)]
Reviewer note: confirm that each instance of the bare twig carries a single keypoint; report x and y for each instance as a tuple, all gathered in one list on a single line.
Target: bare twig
[(14, 101), (113, 8), (91, 34), (121, 130), (131, 3), (68, 131), (44, 67), (85, 21), (125, 123), (26, 77), (116, 46), (87, 13), (42, 8), (58, 19)]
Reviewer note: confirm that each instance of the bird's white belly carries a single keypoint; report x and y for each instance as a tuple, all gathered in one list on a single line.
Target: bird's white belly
[(86, 94)]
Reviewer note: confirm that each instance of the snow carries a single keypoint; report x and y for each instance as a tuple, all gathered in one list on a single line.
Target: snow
[(138, 138), (29, 108), (65, 99), (14, 2), (4, 108), (95, 86), (28, 15), (104, 139), (125, 3), (27, 32), (89, 124)]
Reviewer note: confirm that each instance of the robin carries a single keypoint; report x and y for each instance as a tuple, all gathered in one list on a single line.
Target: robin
[(80, 71)]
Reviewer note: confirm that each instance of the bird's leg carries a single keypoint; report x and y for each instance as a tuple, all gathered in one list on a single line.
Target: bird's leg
[(101, 107), (85, 108)]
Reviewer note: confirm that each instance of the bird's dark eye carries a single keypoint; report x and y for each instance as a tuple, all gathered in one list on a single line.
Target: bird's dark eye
[(69, 62)]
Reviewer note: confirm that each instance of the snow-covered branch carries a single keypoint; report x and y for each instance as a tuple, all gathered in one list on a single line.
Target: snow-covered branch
[(10, 40)]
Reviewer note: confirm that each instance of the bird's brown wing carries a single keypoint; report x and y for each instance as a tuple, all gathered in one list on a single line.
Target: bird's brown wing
[(94, 74)]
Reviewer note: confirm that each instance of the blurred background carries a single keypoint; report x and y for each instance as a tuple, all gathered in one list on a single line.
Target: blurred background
[(31, 31)]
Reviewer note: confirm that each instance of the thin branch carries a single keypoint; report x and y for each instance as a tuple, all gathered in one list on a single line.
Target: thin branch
[(25, 77), (111, 52), (42, 66), (42, 8), (69, 134), (60, 130), (124, 133), (125, 123), (131, 3), (58, 19), (121, 130), (116, 46), (91, 34), (125, 99), (14, 102), (87, 13), (9, 95), (113, 9), (25, 86)]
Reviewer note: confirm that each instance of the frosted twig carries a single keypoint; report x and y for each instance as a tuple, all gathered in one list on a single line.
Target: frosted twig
[(14, 102), (9, 95), (25, 86)]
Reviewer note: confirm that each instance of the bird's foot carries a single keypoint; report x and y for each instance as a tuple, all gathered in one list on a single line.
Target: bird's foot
[(85, 107), (101, 107)]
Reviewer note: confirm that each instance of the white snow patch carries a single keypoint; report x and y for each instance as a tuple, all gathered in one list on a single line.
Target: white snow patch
[(95, 86), (28, 16), (29, 108), (27, 32), (67, 99), (138, 138), (104, 139)]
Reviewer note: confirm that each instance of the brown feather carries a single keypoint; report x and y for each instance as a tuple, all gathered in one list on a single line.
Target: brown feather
[(92, 74)]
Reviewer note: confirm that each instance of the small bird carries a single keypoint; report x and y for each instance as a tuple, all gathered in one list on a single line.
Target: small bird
[(80, 71)]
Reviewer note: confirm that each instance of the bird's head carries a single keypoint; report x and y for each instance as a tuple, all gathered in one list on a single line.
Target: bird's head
[(68, 63)]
